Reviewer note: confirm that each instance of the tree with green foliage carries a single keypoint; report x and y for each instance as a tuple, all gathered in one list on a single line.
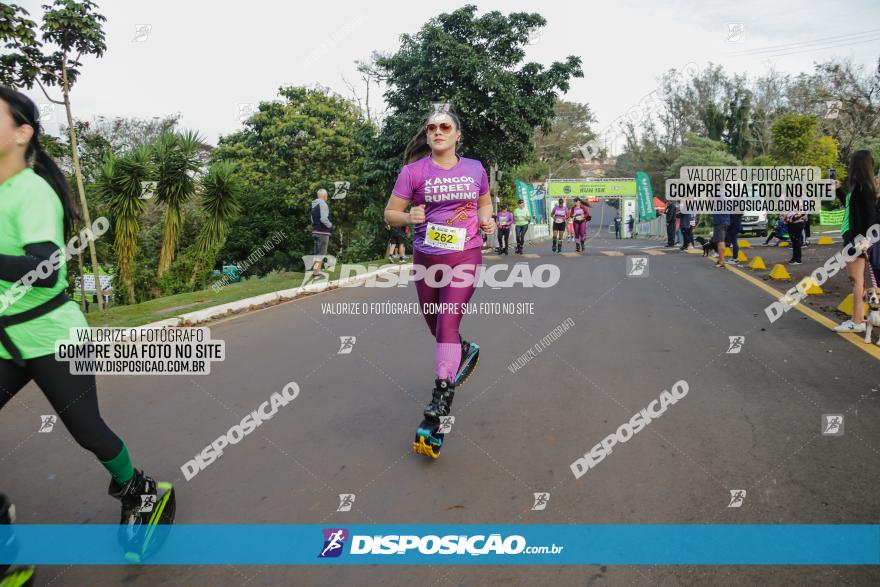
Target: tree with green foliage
[(101, 136), (288, 149), (794, 136), (796, 141), (70, 30), (570, 129), (737, 134), (176, 158), (477, 63), (645, 153), (221, 189), (120, 183), (701, 151)]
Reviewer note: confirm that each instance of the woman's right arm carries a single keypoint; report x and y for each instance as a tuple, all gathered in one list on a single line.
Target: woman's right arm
[(395, 213)]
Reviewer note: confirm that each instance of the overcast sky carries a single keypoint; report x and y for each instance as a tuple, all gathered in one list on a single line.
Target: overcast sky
[(203, 59)]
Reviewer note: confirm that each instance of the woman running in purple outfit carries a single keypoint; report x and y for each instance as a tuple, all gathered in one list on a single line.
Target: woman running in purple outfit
[(560, 216), (450, 202)]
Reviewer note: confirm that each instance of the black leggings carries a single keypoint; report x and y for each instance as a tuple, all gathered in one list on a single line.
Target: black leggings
[(503, 237), (73, 397)]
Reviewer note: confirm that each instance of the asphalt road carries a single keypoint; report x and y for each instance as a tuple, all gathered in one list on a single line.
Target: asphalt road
[(750, 421)]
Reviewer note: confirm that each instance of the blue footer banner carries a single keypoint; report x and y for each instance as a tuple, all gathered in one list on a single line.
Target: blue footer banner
[(406, 544)]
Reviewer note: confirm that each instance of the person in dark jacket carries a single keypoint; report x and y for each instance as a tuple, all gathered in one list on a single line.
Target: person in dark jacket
[(795, 222), (687, 231), (860, 215), (671, 211)]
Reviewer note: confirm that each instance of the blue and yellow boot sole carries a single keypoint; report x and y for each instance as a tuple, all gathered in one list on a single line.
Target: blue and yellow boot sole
[(163, 514), (427, 442)]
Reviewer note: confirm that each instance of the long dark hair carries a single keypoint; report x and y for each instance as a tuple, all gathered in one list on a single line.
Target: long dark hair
[(24, 111), (418, 147), (861, 172)]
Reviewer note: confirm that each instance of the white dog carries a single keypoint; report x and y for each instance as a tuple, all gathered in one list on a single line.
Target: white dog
[(872, 298)]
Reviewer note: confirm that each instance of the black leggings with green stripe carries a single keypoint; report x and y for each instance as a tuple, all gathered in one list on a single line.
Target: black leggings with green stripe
[(74, 398)]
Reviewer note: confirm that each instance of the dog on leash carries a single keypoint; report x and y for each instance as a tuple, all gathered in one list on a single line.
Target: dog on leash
[(708, 245), (872, 298)]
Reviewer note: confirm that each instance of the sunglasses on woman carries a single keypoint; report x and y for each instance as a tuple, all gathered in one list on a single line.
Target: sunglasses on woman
[(445, 127)]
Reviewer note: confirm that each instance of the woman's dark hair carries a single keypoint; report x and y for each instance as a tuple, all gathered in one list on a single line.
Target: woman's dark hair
[(24, 111), (418, 147), (861, 172)]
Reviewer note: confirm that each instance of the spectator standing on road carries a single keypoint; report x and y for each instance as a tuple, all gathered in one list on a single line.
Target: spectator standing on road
[(720, 224), (671, 211), (859, 216), (687, 229), (732, 239), (630, 223), (617, 226), (322, 228), (504, 220), (795, 222), (521, 220)]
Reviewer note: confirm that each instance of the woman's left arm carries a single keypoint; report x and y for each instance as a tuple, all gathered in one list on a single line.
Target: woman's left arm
[(14, 267)]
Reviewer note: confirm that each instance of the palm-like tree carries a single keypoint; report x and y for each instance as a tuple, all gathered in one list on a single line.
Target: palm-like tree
[(221, 190), (177, 162), (120, 182)]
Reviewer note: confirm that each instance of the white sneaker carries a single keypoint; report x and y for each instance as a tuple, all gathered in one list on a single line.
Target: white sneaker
[(850, 326)]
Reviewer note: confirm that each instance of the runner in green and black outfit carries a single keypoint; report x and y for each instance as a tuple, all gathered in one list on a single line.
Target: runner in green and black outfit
[(36, 213), (521, 221)]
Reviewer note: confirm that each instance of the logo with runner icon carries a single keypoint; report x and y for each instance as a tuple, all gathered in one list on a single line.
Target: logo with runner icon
[(346, 501), (340, 189), (148, 190), (541, 501), (737, 497), (736, 344), (47, 423), (832, 424), (446, 423), (346, 344), (334, 541), (637, 267)]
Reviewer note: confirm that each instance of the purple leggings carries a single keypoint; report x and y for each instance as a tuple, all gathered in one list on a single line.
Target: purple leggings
[(444, 326), (580, 231)]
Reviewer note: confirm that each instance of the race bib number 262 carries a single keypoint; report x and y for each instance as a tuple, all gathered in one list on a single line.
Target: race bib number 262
[(445, 237)]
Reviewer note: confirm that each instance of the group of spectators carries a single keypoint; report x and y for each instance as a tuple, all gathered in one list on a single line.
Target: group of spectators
[(861, 204), (679, 227)]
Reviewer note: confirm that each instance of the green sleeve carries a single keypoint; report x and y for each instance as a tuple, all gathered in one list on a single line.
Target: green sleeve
[(40, 217)]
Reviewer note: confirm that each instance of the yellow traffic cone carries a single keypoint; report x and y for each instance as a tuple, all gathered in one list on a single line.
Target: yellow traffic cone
[(846, 306), (779, 272), (825, 240), (744, 244), (810, 287), (757, 263), (742, 257), (783, 243), (728, 252)]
